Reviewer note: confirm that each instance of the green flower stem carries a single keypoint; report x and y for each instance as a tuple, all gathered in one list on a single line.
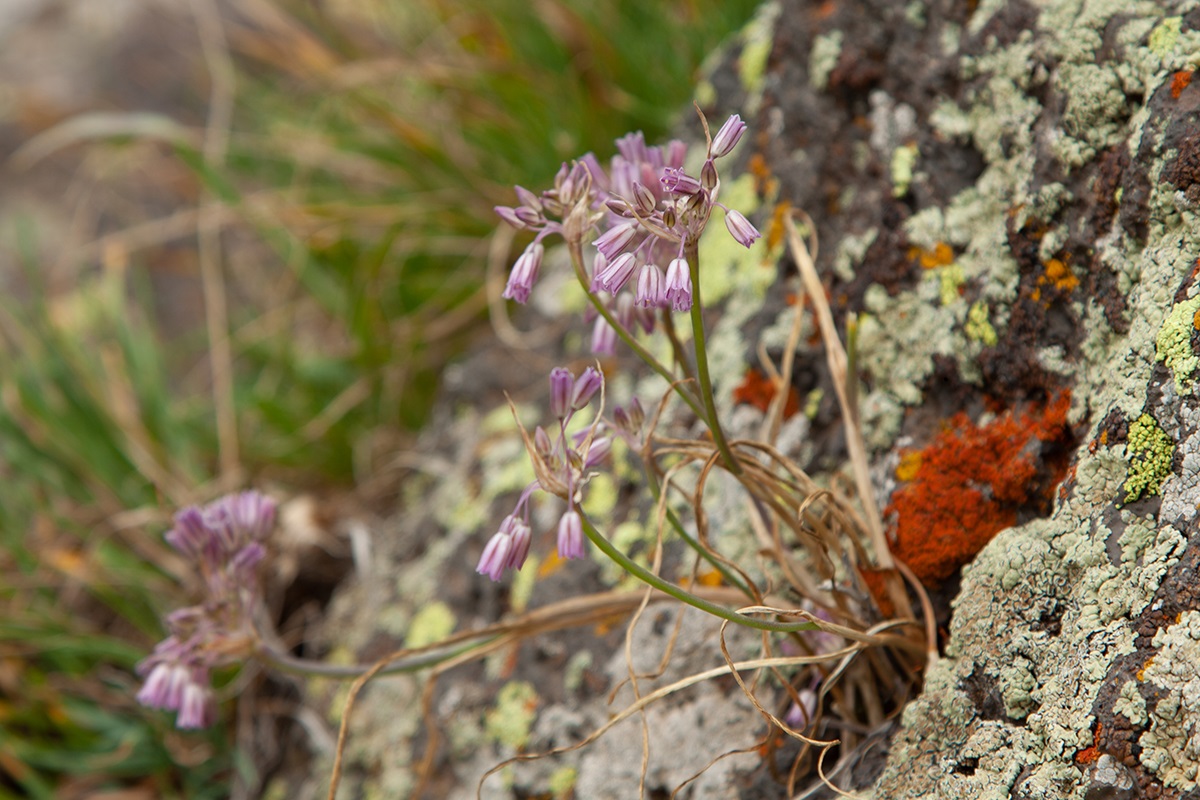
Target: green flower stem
[(576, 251), (681, 594), (729, 576), (706, 392), (286, 662)]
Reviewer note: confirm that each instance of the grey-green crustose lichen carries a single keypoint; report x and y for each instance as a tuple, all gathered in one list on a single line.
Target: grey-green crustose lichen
[(1151, 452)]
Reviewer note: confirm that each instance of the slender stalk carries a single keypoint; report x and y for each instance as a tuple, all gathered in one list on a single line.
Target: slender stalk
[(286, 662), (728, 575), (683, 595), (691, 252), (681, 358)]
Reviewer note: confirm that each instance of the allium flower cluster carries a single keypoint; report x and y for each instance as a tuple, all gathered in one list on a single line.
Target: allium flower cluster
[(224, 541), (562, 463), (648, 213)]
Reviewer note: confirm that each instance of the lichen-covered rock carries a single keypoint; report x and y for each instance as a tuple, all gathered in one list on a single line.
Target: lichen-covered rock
[(1008, 193)]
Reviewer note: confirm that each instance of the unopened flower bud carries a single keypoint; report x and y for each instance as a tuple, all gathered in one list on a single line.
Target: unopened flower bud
[(561, 383), (646, 202), (528, 198), (542, 444), (728, 137), (708, 175), (604, 338), (510, 216), (619, 207), (586, 386), (598, 450)]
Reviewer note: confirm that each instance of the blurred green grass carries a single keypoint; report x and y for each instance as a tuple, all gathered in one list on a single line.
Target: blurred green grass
[(365, 153)]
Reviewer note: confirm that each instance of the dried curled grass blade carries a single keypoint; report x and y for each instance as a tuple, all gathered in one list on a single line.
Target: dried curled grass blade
[(658, 694), (836, 356)]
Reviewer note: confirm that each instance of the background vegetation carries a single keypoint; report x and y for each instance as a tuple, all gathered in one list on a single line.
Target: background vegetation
[(343, 164)]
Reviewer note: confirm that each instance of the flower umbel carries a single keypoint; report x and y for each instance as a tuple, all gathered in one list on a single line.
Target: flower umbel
[(224, 542), (563, 462)]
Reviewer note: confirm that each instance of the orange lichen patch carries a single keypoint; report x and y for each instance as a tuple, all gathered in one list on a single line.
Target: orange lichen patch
[(765, 183), (757, 390), (940, 255), (876, 582), (1196, 320), (710, 578), (1180, 81), (775, 228), (1089, 754), (551, 565), (971, 483), (1057, 275), (1141, 673)]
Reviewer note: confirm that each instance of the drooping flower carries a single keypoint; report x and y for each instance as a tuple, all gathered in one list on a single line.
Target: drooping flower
[(740, 228), (570, 536), (524, 273), (678, 289), (649, 287)]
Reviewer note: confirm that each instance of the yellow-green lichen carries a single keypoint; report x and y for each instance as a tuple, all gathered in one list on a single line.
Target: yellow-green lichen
[(950, 280), (562, 782), (757, 40), (1164, 37), (511, 720), (1150, 452), (522, 584), (904, 159), (812, 402), (724, 263), (432, 623), (1173, 345), (977, 328)]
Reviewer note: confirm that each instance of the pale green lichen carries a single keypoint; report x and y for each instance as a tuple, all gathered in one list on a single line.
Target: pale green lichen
[(850, 252), (432, 623), (1095, 115), (510, 721), (1171, 747), (823, 58), (1151, 452), (1173, 345), (977, 327), (904, 160), (1131, 704), (562, 782), (573, 673)]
